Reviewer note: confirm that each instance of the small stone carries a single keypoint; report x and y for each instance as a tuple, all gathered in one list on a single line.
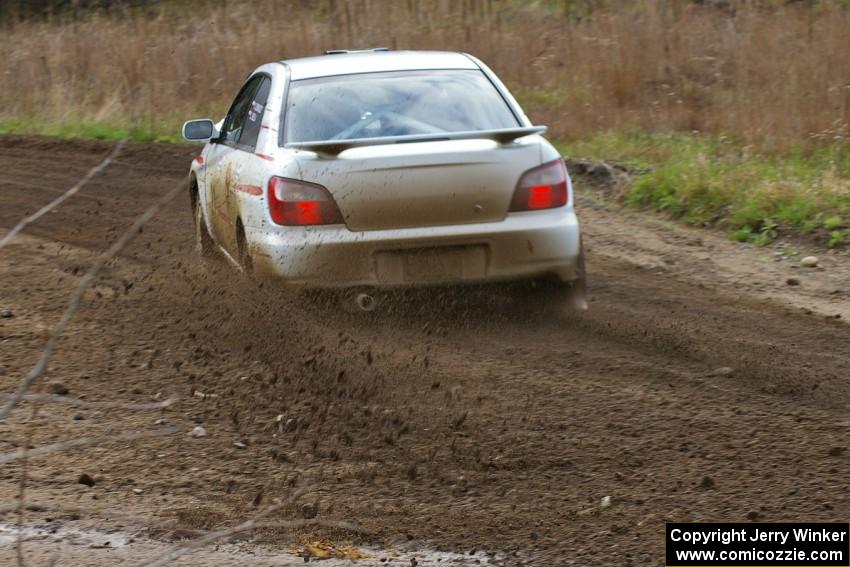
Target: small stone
[(160, 421), (752, 515), (605, 502), (57, 388), (137, 491), (86, 479), (809, 262), (723, 371), (198, 432), (99, 545), (837, 451), (7, 313), (239, 444), (793, 281), (707, 482)]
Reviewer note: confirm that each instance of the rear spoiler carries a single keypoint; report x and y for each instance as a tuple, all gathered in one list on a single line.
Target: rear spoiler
[(333, 148)]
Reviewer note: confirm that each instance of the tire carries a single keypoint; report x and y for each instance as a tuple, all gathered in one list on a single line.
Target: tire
[(576, 296), (562, 298)]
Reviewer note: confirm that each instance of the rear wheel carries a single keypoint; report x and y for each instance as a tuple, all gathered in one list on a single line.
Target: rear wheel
[(576, 295), (564, 298)]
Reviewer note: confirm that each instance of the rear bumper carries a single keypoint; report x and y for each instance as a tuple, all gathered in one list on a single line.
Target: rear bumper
[(522, 246)]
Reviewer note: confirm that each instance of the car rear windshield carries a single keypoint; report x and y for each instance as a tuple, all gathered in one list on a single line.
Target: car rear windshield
[(377, 105)]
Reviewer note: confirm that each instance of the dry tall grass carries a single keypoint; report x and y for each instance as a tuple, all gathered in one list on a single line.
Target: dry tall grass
[(768, 72)]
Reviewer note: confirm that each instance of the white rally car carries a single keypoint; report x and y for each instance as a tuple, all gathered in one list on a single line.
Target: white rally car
[(368, 170)]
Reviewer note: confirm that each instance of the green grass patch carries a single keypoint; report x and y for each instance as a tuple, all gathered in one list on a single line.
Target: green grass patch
[(720, 181), (148, 131)]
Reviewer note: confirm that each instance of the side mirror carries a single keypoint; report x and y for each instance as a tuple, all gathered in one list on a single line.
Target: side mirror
[(199, 130)]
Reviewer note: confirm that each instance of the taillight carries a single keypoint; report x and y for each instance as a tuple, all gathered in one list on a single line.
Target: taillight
[(544, 187), (298, 203)]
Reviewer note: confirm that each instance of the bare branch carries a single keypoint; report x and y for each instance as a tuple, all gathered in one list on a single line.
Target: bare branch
[(61, 198), (76, 298), (22, 496), (33, 507), (250, 525), (76, 402), (80, 442), (14, 505), (40, 187), (183, 549)]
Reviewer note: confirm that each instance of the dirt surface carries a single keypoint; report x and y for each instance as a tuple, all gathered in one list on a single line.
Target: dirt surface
[(699, 386)]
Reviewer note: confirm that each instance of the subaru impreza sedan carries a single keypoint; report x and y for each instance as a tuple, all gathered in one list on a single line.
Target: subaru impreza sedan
[(372, 170)]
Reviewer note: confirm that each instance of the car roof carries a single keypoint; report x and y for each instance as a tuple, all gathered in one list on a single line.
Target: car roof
[(348, 63)]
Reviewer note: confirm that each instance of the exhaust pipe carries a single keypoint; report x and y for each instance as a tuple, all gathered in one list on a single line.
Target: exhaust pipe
[(365, 302)]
